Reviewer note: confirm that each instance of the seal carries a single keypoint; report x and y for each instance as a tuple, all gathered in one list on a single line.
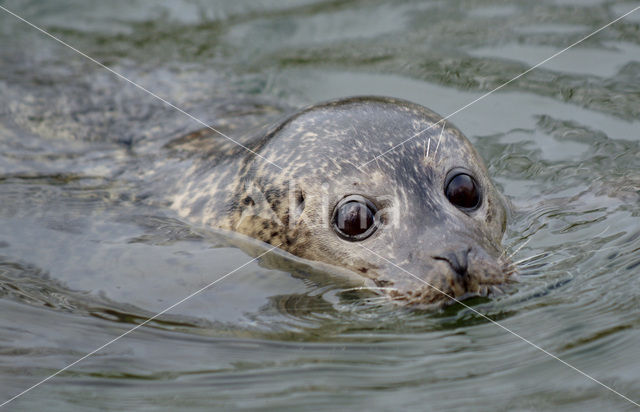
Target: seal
[(423, 223)]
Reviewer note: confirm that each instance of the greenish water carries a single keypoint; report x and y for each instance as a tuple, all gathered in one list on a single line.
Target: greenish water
[(86, 254)]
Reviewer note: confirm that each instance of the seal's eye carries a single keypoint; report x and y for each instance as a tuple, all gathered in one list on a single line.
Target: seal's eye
[(463, 192), (354, 218)]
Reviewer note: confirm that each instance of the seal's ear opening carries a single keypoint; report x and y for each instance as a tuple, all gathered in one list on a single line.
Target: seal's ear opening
[(299, 199), (296, 205)]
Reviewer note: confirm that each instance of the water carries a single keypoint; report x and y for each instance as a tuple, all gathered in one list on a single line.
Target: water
[(86, 252)]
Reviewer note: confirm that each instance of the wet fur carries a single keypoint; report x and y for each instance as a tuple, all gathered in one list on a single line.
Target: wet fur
[(318, 149)]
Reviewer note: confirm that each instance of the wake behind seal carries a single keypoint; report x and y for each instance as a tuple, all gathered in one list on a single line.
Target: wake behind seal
[(427, 206)]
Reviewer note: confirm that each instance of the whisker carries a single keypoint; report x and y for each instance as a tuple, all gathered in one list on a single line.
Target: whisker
[(543, 254), (518, 249), (547, 253), (506, 248)]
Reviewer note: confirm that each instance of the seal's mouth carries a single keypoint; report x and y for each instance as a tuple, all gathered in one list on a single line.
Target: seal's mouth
[(442, 286), (428, 296)]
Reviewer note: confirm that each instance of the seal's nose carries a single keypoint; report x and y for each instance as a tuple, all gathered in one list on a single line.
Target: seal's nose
[(458, 259)]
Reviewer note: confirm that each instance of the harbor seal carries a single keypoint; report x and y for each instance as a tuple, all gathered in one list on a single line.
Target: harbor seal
[(427, 206)]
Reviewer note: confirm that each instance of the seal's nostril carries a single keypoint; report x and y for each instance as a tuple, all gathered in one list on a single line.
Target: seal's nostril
[(457, 259)]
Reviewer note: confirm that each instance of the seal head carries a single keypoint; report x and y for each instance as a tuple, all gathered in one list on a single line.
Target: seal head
[(423, 222)]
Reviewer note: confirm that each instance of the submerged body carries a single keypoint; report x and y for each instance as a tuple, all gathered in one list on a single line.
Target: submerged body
[(423, 222)]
